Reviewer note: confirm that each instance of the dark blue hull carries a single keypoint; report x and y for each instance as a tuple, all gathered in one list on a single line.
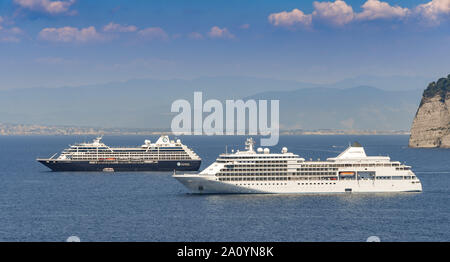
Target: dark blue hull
[(86, 166)]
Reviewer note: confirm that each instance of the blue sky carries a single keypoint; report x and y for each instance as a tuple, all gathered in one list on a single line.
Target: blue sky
[(74, 42)]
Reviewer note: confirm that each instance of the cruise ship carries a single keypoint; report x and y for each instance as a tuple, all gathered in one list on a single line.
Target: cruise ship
[(163, 155), (250, 171)]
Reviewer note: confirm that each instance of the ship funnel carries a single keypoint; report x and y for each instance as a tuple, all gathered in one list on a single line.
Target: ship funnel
[(356, 144)]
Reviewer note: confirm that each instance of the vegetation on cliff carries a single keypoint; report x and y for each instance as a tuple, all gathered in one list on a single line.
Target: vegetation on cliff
[(441, 87), (431, 125)]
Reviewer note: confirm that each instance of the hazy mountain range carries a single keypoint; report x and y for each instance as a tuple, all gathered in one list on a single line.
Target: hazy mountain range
[(380, 104), (361, 108)]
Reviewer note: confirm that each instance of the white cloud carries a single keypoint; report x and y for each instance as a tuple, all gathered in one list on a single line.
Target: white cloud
[(375, 9), (336, 13), (434, 10), (54, 61), (245, 26), (289, 19), (153, 33), (15, 31), (46, 6), (217, 32), (195, 35), (9, 39), (70, 34), (176, 36), (112, 27), (339, 13), (9, 34), (1, 21)]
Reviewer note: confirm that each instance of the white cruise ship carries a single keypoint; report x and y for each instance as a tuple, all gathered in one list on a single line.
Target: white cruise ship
[(260, 171)]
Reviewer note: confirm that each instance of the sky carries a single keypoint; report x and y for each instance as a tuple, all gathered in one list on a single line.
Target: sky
[(49, 43)]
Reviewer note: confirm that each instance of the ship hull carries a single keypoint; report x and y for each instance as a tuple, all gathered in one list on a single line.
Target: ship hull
[(87, 166), (209, 185)]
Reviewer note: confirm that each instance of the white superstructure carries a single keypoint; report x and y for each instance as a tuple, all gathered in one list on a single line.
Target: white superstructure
[(260, 171), (162, 149)]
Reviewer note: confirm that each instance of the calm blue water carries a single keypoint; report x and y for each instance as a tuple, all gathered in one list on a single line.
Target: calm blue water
[(37, 205)]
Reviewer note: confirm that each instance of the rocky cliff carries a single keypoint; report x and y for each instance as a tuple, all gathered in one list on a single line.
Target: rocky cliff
[(431, 126)]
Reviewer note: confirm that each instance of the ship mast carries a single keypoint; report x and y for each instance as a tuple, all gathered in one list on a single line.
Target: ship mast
[(249, 143)]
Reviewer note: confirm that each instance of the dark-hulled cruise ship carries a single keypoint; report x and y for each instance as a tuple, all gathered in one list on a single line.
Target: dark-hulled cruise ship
[(163, 155)]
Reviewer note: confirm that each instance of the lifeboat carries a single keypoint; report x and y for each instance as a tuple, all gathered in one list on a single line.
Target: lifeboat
[(347, 173)]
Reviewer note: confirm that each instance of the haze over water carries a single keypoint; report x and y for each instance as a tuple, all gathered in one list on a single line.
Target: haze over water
[(38, 205)]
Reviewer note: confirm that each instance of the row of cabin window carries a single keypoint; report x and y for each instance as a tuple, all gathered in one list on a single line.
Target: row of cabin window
[(144, 158), (127, 154), (264, 162), (271, 178), (122, 151), (268, 177), (318, 169), (253, 169), (256, 165), (351, 165), (323, 165), (225, 173), (258, 157), (254, 178), (265, 184), (281, 184)]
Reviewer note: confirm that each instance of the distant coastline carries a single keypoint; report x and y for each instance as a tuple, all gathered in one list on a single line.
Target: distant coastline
[(24, 130)]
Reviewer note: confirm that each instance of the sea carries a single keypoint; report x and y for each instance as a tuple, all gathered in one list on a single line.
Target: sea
[(39, 205)]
